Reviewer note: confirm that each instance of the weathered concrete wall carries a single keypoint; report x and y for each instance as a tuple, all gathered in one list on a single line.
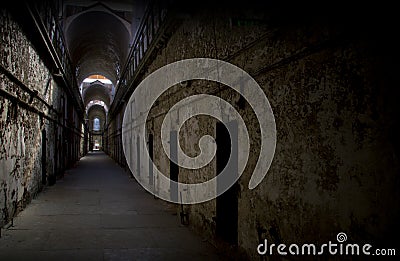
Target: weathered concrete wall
[(21, 130), (112, 143), (336, 162)]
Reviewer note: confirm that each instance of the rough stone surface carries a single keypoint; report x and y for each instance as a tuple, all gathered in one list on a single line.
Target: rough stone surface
[(336, 162), (21, 164)]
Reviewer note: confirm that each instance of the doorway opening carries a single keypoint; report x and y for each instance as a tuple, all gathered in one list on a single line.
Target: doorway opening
[(173, 167), (227, 203)]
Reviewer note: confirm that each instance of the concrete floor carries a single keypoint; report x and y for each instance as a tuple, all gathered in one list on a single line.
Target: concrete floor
[(97, 212)]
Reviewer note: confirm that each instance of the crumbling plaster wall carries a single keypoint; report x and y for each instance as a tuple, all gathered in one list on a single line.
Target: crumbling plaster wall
[(336, 163), (21, 129)]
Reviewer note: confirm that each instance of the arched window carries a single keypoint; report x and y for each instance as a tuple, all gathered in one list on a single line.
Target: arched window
[(96, 124)]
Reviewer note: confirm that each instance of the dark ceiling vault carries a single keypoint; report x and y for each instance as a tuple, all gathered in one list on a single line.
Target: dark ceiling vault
[(98, 36), (96, 91), (98, 42), (96, 111)]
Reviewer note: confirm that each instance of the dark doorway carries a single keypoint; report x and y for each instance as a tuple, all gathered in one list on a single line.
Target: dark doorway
[(44, 157), (137, 156), (56, 159), (227, 203), (150, 148), (173, 167)]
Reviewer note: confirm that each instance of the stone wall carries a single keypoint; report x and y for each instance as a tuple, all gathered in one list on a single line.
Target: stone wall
[(329, 84), (21, 125)]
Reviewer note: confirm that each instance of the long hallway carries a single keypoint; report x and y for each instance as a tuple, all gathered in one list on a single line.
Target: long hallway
[(96, 212), (265, 122)]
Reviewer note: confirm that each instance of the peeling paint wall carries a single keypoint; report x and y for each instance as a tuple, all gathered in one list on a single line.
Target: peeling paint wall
[(22, 130), (336, 162)]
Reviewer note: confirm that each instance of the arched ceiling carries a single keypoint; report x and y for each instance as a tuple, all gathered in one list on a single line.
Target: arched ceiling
[(96, 91), (96, 111), (98, 41)]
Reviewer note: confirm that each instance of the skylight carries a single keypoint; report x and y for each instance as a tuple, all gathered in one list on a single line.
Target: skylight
[(97, 77)]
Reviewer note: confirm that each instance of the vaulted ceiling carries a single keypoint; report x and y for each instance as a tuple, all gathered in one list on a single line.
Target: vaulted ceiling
[(98, 40), (96, 91), (98, 35), (96, 111)]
